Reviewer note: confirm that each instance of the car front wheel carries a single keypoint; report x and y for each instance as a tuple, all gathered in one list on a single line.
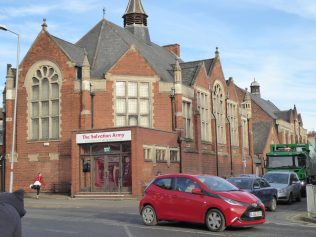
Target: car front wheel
[(215, 220), (273, 204), (149, 215)]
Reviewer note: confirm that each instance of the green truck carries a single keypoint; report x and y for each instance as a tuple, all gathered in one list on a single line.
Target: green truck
[(300, 158)]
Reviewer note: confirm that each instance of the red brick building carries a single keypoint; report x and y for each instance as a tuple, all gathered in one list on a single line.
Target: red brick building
[(107, 113), (271, 125)]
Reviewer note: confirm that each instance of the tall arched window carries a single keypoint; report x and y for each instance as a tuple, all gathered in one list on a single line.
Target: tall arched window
[(44, 103), (219, 111)]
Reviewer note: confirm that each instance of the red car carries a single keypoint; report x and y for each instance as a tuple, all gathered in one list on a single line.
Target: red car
[(199, 199)]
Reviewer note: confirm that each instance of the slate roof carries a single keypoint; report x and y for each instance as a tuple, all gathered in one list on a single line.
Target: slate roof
[(73, 51), (266, 105), (284, 115), (135, 6), (261, 131), (106, 43), (190, 70)]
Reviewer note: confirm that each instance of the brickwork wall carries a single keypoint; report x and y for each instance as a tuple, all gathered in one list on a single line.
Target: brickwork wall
[(45, 48), (197, 156)]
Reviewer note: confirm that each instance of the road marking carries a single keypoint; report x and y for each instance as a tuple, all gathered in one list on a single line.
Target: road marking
[(127, 231)]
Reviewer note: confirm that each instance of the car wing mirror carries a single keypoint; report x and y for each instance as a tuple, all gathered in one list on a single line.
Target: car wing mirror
[(256, 187), (197, 191)]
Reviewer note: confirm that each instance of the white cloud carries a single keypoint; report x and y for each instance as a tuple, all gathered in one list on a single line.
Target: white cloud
[(302, 8)]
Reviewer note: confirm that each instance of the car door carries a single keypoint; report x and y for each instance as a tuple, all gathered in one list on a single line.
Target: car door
[(295, 182), (189, 206), (268, 191), (256, 189), (163, 198)]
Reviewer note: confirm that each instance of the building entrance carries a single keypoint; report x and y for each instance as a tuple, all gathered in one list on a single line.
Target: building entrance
[(106, 167), (112, 174)]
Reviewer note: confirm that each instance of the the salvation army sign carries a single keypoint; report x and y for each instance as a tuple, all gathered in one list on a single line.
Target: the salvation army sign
[(116, 136)]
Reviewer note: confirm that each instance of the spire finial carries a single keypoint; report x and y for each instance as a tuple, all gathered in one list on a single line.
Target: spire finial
[(104, 12), (44, 25), (216, 52)]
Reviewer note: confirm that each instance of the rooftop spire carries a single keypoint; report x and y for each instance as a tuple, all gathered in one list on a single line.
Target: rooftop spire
[(135, 6), (104, 12), (135, 20)]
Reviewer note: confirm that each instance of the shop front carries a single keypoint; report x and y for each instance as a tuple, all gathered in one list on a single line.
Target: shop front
[(105, 162)]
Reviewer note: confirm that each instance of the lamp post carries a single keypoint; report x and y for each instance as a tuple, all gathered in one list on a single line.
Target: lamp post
[(172, 96), (2, 27)]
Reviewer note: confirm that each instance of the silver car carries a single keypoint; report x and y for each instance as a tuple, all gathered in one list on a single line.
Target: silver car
[(287, 183)]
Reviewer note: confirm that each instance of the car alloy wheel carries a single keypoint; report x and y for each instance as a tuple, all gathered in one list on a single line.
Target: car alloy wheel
[(215, 220), (149, 215), (273, 204)]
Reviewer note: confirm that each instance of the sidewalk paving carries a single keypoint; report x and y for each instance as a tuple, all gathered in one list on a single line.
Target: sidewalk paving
[(63, 201)]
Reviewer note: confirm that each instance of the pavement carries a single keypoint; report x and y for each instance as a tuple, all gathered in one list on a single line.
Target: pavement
[(47, 200)]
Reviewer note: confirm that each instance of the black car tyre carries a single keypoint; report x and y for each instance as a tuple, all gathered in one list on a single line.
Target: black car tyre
[(215, 220), (290, 199), (149, 215), (273, 204)]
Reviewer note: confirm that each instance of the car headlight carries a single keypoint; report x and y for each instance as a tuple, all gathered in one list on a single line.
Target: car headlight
[(302, 183), (283, 190), (233, 202)]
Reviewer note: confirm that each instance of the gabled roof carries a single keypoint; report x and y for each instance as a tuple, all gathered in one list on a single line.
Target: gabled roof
[(106, 43), (266, 105), (190, 70), (261, 132), (73, 51), (284, 115)]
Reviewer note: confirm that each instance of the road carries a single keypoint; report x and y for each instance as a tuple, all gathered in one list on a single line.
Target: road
[(86, 218)]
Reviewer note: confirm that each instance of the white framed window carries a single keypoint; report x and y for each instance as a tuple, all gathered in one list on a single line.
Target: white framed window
[(174, 155), (161, 155), (148, 156), (187, 118), (233, 121), (219, 111), (203, 107), (45, 103), (132, 103)]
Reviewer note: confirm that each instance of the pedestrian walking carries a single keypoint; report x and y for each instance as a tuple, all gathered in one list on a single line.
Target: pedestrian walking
[(38, 183)]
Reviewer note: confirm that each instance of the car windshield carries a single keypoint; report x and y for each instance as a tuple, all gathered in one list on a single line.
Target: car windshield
[(277, 178), (217, 184), (242, 183)]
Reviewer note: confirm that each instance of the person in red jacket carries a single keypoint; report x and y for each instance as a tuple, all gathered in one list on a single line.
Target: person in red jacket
[(38, 183)]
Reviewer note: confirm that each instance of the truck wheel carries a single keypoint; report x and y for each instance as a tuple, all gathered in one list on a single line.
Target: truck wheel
[(299, 198)]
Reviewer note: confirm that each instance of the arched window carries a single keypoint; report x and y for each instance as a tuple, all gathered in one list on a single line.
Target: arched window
[(219, 112), (44, 103)]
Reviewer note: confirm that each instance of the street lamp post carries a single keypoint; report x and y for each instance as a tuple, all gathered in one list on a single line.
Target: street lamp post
[(2, 27)]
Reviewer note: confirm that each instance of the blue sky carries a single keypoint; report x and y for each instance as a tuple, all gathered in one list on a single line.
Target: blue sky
[(273, 41)]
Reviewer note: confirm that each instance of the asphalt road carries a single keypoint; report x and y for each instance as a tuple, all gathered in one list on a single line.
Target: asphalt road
[(72, 218)]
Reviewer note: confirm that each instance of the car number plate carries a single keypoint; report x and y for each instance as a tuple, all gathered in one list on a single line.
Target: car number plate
[(255, 214)]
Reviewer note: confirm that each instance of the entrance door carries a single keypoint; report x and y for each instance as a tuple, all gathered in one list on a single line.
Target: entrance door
[(112, 173)]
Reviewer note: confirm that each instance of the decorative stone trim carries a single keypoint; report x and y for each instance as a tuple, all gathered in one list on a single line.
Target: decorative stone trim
[(53, 156), (32, 157)]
